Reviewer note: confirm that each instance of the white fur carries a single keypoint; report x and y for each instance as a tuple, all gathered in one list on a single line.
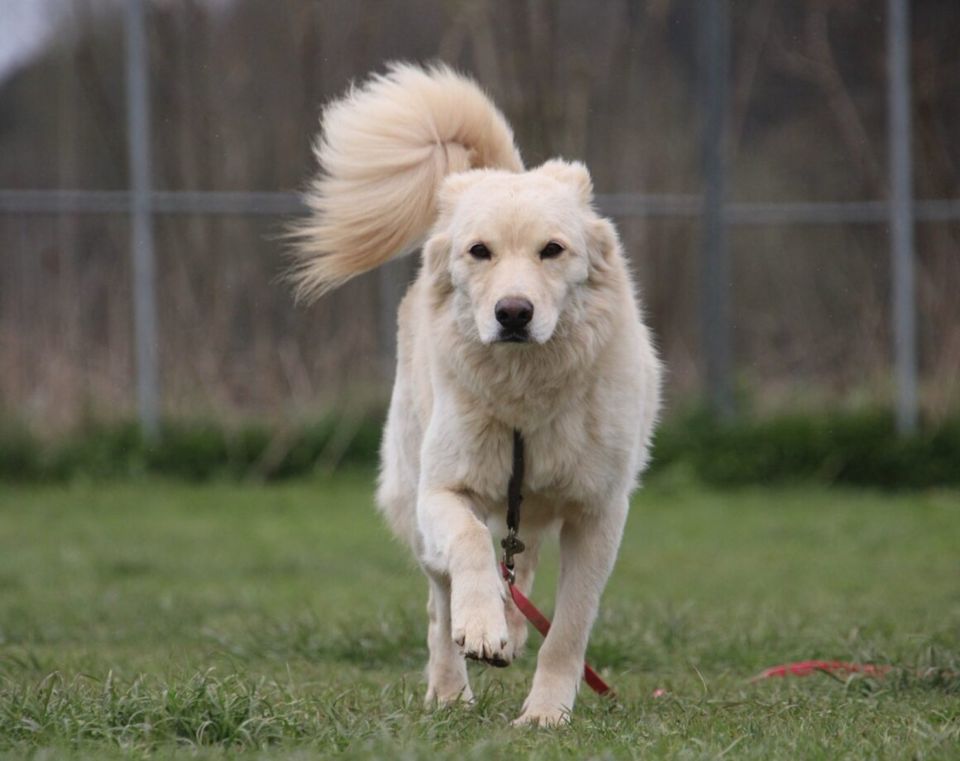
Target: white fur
[(423, 154)]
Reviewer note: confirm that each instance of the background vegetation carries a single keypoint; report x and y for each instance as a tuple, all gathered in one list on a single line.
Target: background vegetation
[(855, 449)]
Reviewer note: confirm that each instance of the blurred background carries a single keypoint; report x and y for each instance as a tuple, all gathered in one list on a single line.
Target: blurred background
[(784, 219)]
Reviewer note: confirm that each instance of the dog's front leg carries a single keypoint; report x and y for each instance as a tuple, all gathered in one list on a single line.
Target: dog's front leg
[(588, 548), (458, 549)]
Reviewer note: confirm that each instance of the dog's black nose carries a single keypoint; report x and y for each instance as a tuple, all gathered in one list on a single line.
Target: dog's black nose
[(514, 314)]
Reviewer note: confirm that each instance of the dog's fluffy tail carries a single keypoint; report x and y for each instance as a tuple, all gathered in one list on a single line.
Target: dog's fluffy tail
[(383, 150)]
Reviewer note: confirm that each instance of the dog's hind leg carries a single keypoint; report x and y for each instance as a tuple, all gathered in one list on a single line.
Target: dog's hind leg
[(446, 669)]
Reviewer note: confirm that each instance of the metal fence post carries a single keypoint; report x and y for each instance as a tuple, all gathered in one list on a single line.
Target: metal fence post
[(715, 266), (901, 214), (141, 221)]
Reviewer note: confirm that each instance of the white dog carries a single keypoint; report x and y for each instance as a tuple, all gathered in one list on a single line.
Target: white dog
[(523, 317)]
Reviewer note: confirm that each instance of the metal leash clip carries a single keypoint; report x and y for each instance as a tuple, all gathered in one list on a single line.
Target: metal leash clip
[(511, 546)]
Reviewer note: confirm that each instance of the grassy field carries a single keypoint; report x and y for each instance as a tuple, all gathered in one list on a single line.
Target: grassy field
[(159, 619)]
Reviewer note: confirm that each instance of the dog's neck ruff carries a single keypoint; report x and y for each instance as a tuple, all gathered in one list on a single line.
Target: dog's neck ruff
[(513, 546), (502, 379)]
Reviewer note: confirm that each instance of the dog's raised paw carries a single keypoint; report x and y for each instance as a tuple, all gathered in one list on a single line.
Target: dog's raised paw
[(483, 637)]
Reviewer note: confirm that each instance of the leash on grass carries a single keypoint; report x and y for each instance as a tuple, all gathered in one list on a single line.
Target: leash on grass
[(806, 668), (513, 546), (835, 668)]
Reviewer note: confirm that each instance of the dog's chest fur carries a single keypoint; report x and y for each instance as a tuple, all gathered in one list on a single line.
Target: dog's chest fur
[(566, 462)]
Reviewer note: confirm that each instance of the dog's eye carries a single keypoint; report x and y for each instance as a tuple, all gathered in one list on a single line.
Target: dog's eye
[(551, 250), (479, 251)]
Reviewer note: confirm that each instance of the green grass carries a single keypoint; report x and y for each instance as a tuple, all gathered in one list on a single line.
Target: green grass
[(159, 619)]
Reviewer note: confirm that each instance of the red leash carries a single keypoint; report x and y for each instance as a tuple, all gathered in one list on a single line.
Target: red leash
[(805, 668), (878, 670), (542, 624)]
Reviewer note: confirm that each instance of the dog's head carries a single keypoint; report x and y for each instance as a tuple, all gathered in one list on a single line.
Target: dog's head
[(515, 251)]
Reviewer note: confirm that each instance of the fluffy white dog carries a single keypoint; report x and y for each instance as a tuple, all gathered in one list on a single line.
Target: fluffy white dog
[(523, 317)]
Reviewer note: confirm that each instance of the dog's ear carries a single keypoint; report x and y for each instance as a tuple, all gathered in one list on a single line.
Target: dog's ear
[(604, 242), (570, 173), (436, 263)]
